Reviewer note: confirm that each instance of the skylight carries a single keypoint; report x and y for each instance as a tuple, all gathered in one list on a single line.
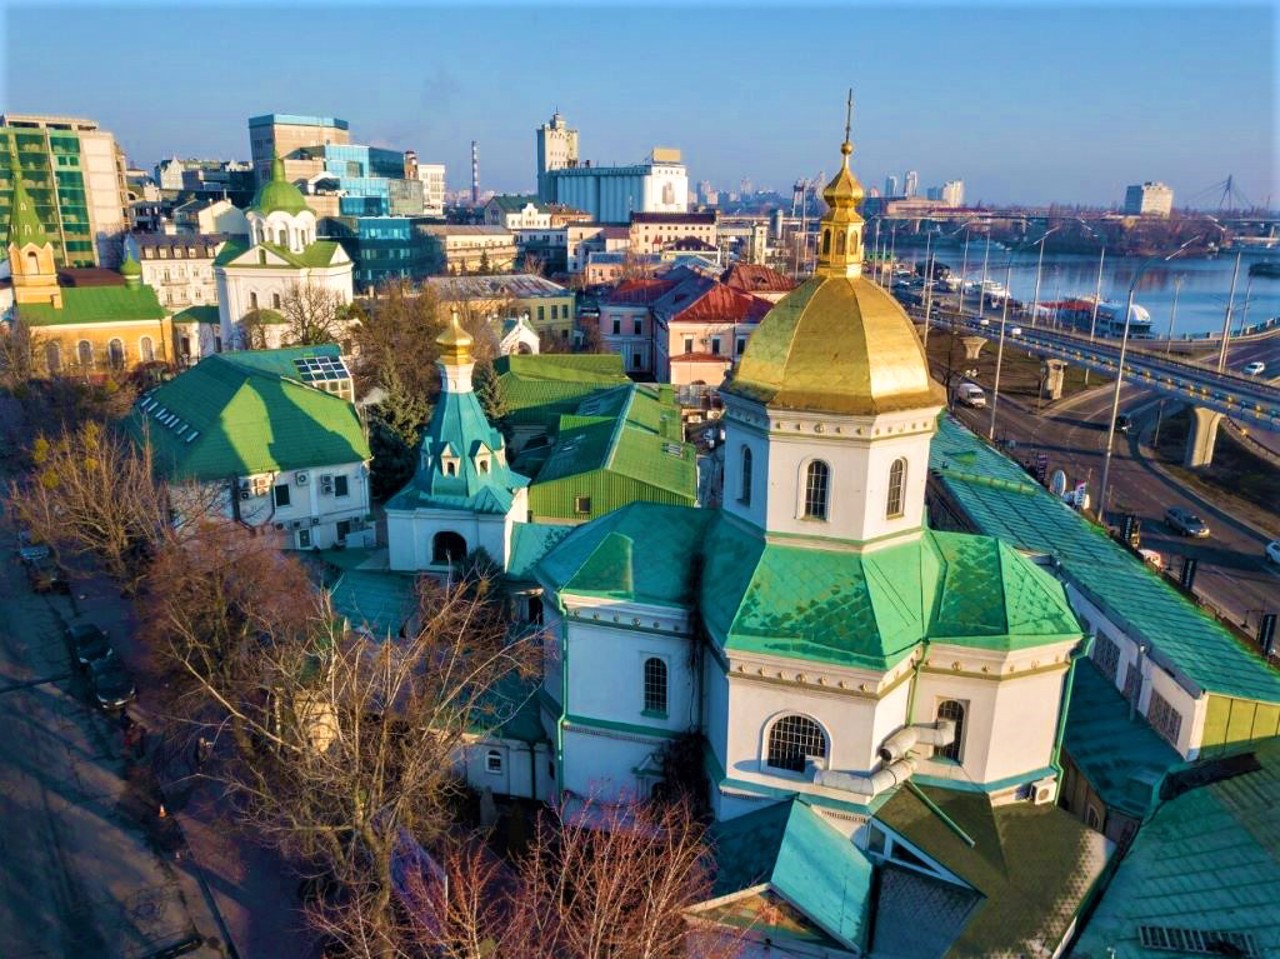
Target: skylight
[(1207, 942), (321, 369)]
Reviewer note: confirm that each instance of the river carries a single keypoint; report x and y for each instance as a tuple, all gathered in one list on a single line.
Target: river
[(1202, 300)]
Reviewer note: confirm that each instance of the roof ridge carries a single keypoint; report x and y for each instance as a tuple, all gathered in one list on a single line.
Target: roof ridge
[(615, 437)]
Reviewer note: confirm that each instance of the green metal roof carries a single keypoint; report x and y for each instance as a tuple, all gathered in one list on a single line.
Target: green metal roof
[(278, 193), (318, 254), (1124, 759), (510, 710), (1207, 860), (457, 434), (282, 362), (198, 314), (998, 497), (642, 552), (515, 202), (539, 388), (806, 860), (130, 266), (96, 304), (223, 418), (379, 600), (1035, 866)]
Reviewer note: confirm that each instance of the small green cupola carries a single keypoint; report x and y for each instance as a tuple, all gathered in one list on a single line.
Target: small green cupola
[(131, 270), (278, 193)]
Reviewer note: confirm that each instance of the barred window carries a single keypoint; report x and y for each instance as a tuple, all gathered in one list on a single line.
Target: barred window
[(953, 710), (897, 488), (655, 686), (1106, 654), (745, 498), (793, 738), (1133, 683), (1163, 718), (815, 490)]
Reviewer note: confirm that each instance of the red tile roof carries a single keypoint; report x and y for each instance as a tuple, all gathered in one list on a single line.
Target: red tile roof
[(754, 278), (640, 292), (700, 300)]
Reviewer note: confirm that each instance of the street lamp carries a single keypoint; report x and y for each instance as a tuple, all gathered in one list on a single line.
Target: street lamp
[(928, 287), (1168, 345), (1226, 323), (1115, 397), (1035, 297), (1004, 319)]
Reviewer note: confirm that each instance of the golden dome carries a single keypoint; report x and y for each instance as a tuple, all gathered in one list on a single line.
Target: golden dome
[(454, 342), (836, 345)]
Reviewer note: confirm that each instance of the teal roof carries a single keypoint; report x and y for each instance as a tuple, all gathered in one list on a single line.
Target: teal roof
[(224, 418), (278, 193), (856, 609), (1035, 866), (630, 431), (95, 304), (379, 600), (807, 861), (1123, 758), (456, 436), (198, 314), (510, 710), (529, 543), (1207, 860), (284, 362), (1000, 500), (642, 552), (515, 202), (130, 266)]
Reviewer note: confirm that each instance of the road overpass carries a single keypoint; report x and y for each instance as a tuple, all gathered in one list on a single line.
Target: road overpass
[(1210, 394)]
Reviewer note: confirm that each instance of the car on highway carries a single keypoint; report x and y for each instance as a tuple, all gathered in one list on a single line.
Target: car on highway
[(1016, 331), (1185, 522), (1123, 423), (1273, 551), (112, 685), (971, 394), (1256, 368), (90, 643)]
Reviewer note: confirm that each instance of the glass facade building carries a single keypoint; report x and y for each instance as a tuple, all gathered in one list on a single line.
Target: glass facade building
[(383, 248), (50, 165)]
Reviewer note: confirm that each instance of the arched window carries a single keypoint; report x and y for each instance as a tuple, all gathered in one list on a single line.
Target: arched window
[(33, 262), (953, 710), (493, 761), (146, 349), (853, 243), (115, 353), (253, 301), (839, 244), (897, 489), (275, 301), (655, 686), (745, 496), (792, 739), (52, 357), (815, 490), (281, 237), (448, 548), (84, 354), (826, 242)]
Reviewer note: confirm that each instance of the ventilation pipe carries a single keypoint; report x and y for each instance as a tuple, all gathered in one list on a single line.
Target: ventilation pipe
[(897, 766)]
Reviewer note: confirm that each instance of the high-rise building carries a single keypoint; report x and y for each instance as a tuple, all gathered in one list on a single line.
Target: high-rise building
[(611, 194), (911, 183), (431, 175), (891, 185), (279, 134), (953, 193), (1148, 199), (74, 173), (557, 149)]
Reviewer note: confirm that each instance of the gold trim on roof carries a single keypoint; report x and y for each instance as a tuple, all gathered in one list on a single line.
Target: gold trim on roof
[(455, 342)]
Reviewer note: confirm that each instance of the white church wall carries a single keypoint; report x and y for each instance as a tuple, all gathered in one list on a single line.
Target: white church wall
[(601, 764)]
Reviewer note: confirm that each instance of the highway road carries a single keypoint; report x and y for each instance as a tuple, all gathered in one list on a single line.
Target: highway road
[(1232, 572)]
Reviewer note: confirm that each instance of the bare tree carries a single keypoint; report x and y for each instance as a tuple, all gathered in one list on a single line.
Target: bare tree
[(93, 492), (19, 347), (313, 315), (395, 333), (344, 743)]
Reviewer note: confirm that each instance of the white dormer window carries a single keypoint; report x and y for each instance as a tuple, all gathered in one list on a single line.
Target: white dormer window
[(449, 464)]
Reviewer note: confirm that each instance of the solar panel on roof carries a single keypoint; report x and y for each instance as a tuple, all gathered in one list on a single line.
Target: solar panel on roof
[(315, 369)]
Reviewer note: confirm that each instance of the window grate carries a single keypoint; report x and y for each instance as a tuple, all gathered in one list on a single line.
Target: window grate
[(792, 739), (815, 490), (953, 710), (1207, 942), (897, 489), (655, 685)]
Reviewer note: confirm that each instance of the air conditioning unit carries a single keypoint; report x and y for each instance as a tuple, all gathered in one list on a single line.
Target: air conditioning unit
[(245, 493), (326, 484), (279, 526), (315, 521), (1043, 791), (244, 484), (295, 524), (301, 478)]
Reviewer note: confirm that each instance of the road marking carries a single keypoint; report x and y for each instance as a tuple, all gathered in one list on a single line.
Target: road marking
[(34, 682)]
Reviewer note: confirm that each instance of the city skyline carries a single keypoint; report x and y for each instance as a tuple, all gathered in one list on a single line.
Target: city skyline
[(1033, 104)]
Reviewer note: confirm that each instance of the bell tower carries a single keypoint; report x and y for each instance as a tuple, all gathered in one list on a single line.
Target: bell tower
[(35, 275)]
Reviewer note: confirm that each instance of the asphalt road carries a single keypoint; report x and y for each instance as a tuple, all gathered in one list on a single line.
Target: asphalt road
[(1232, 573), (83, 872)]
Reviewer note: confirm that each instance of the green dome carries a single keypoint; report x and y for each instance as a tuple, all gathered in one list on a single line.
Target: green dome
[(130, 266), (278, 193)]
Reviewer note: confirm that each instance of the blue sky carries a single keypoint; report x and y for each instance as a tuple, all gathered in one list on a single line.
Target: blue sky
[(1033, 103)]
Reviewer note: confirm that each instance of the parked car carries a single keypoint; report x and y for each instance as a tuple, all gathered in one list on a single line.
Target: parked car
[(1185, 522), (90, 643), (112, 685), (29, 549), (46, 576), (1273, 551)]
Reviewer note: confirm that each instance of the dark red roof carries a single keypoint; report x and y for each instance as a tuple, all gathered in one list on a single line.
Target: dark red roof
[(641, 292), (699, 300), (754, 278), (701, 218), (89, 276)]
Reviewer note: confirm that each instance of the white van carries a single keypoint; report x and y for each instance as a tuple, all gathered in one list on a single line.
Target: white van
[(970, 394)]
